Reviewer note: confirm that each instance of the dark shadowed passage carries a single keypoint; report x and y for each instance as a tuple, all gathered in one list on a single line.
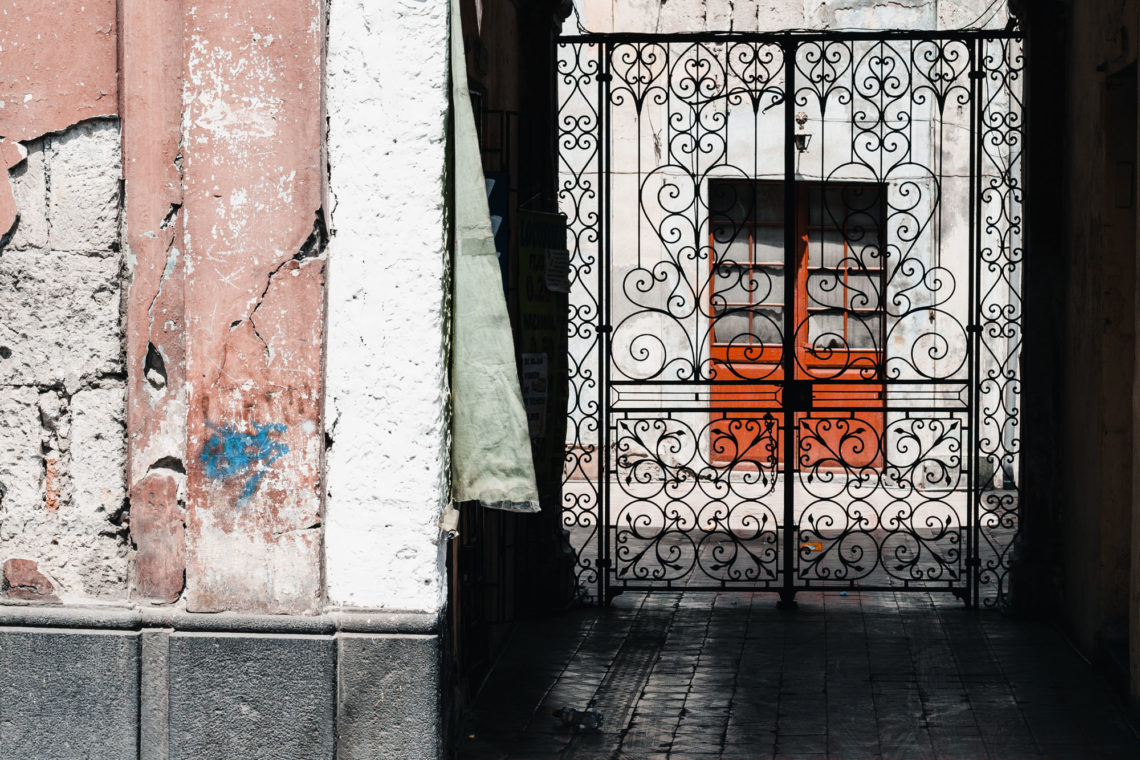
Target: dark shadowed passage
[(875, 675)]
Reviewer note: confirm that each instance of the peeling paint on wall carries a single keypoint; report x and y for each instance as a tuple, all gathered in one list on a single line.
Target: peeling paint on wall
[(157, 530), (151, 104), (12, 154), (57, 65), (57, 68), (22, 580), (222, 165), (232, 454), (253, 300)]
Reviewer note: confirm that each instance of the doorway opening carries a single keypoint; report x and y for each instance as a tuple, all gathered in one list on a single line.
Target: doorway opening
[(795, 312)]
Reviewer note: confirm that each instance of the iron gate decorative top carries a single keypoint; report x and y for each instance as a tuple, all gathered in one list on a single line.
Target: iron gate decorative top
[(795, 319)]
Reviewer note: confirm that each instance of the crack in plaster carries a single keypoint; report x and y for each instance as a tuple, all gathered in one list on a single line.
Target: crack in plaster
[(316, 525), (313, 247), (167, 270)]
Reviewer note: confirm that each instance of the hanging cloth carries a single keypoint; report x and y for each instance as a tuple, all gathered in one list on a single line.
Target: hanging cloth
[(491, 459)]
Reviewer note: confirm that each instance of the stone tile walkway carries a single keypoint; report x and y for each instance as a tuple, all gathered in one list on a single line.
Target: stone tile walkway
[(898, 676)]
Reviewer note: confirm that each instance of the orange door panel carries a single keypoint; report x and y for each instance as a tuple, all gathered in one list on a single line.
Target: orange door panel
[(838, 298)]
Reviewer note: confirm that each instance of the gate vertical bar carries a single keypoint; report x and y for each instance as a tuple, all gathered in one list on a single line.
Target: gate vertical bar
[(788, 591), (604, 326), (973, 329)]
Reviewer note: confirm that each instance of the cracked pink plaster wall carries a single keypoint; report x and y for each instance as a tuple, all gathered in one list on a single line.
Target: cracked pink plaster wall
[(222, 151), (57, 68), (150, 61), (254, 304)]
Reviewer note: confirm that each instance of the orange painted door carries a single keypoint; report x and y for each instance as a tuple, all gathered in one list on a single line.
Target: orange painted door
[(838, 315)]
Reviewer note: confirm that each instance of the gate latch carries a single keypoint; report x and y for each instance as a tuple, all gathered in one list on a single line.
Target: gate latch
[(798, 395)]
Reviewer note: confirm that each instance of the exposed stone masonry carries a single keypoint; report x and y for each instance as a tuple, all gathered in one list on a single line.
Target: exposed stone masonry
[(63, 505)]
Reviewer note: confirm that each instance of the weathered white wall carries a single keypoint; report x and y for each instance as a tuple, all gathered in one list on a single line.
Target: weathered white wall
[(774, 15), (387, 466), (62, 389)]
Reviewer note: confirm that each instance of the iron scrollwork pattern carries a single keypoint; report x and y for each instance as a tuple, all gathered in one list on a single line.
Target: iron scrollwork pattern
[(579, 150), (999, 314), (687, 518), (807, 396)]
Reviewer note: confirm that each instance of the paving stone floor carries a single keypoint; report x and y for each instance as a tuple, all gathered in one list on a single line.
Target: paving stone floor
[(889, 675)]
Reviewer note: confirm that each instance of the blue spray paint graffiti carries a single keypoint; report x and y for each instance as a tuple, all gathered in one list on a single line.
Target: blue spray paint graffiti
[(229, 453)]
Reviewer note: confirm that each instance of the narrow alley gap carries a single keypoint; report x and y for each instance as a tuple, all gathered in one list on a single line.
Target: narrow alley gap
[(874, 675)]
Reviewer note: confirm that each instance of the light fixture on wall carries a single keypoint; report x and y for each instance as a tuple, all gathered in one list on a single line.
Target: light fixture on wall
[(802, 136)]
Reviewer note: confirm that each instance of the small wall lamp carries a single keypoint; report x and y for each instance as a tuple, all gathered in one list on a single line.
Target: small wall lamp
[(802, 136)]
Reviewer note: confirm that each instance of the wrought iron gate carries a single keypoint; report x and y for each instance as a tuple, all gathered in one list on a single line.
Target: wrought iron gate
[(795, 318)]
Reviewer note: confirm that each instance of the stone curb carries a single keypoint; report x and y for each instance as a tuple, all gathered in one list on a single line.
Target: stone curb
[(117, 618)]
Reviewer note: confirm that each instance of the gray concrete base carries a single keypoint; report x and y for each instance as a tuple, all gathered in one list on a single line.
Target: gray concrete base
[(68, 695), (389, 697), (166, 694)]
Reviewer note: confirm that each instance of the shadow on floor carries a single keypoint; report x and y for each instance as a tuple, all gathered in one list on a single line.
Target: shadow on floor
[(898, 676)]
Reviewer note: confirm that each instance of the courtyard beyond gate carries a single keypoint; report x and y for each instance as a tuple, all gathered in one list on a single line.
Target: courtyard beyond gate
[(795, 316)]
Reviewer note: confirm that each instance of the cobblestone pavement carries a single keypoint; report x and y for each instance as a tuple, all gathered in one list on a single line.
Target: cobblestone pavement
[(889, 675)]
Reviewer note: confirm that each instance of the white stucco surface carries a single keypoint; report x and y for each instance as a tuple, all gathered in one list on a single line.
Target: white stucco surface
[(386, 391)]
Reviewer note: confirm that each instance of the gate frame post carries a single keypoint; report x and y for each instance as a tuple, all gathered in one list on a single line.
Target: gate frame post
[(788, 590), (604, 464)]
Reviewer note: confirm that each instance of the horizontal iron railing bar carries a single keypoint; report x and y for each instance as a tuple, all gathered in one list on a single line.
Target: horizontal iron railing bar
[(944, 586), (766, 381), (775, 586), (770, 585), (799, 35), (617, 409)]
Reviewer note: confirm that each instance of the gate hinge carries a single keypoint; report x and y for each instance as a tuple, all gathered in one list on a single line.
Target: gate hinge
[(977, 74), (973, 561), (605, 564), (974, 329), (605, 77), (605, 329)]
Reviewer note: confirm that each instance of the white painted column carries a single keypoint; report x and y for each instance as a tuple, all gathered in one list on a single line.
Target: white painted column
[(386, 389)]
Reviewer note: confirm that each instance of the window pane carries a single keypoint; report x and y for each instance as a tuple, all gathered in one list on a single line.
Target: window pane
[(863, 201), (731, 326), (733, 284), (863, 290), (731, 243), (825, 207), (768, 325), (825, 288), (770, 203), (825, 330), (826, 248), (864, 330), (746, 285), (839, 205), (862, 241), (769, 285), (769, 244), (730, 201)]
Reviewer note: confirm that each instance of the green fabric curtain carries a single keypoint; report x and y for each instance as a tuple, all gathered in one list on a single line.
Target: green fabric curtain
[(490, 457)]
